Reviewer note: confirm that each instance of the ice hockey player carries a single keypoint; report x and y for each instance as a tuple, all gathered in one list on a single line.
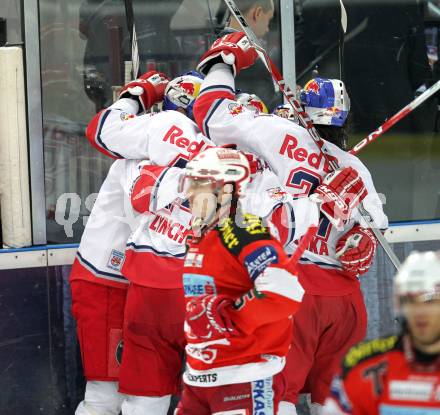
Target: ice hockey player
[(240, 295), (333, 317), (398, 374), (97, 285)]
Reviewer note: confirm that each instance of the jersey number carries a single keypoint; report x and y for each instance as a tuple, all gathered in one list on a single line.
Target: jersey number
[(303, 181)]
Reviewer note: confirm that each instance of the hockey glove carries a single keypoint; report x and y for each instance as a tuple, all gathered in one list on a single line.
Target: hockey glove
[(355, 250), (207, 318), (339, 194), (233, 49), (147, 90)]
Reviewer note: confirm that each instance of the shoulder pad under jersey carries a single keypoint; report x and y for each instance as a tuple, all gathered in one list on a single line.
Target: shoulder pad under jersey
[(235, 236), (368, 350)]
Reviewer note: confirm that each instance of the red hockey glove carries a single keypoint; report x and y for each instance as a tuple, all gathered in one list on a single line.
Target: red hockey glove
[(356, 250), (147, 90), (233, 49), (256, 165), (207, 318), (340, 193)]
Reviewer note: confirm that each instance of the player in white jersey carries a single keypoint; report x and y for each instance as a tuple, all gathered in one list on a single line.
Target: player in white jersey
[(334, 316), (98, 287)]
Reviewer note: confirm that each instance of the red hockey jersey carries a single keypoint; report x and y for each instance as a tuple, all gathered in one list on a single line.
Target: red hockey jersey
[(248, 265), (383, 377)]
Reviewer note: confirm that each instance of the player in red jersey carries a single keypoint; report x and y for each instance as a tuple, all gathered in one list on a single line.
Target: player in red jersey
[(240, 295), (398, 374)]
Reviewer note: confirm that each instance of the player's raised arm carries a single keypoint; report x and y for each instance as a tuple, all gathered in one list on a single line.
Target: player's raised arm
[(118, 131), (216, 111)]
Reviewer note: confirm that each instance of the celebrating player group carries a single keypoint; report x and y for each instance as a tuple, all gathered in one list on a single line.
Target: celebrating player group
[(222, 260)]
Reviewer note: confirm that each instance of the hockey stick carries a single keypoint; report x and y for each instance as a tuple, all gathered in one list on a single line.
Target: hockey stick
[(356, 31), (303, 245), (305, 121), (343, 31), (396, 118), (133, 38)]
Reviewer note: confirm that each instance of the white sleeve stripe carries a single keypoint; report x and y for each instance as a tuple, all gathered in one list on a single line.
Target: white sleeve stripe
[(98, 135), (281, 282)]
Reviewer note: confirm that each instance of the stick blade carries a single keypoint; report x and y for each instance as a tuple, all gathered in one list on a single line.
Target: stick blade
[(344, 18)]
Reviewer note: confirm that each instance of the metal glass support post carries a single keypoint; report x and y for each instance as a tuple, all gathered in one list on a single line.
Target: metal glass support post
[(31, 33), (287, 14)]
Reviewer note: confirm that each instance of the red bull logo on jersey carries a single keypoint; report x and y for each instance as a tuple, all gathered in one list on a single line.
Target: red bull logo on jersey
[(175, 137), (292, 150), (278, 194), (235, 109)]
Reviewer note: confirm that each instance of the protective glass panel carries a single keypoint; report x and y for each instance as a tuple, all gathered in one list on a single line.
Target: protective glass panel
[(86, 57), (10, 22), (389, 57)]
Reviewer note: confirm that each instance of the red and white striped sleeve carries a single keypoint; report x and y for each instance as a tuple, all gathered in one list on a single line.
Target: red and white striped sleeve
[(118, 133), (154, 188)]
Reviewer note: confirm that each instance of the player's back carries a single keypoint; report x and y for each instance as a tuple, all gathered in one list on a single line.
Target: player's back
[(101, 251)]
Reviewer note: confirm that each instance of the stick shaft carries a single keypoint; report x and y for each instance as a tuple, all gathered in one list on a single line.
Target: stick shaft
[(129, 13), (396, 118), (305, 121), (303, 245)]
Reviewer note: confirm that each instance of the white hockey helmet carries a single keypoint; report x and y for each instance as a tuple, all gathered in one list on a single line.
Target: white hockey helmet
[(326, 101), (419, 277), (220, 166), (252, 102)]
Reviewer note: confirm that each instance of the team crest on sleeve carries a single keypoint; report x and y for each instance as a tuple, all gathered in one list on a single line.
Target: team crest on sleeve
[(235, 108), (278, 194), (125, 116), (116, 260)]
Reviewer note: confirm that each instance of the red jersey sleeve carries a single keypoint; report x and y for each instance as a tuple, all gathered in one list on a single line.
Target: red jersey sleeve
[(276, 292)]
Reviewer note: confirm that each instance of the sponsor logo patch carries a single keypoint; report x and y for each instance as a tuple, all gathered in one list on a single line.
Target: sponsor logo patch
[(257, 261), (262, 397), (193, 259), (116, 260), (402, 390), (196, 285)]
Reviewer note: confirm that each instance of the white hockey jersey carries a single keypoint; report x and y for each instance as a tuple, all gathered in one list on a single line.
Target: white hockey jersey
[(101, 253), (156, 249), (166, 138), (290, 152)]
